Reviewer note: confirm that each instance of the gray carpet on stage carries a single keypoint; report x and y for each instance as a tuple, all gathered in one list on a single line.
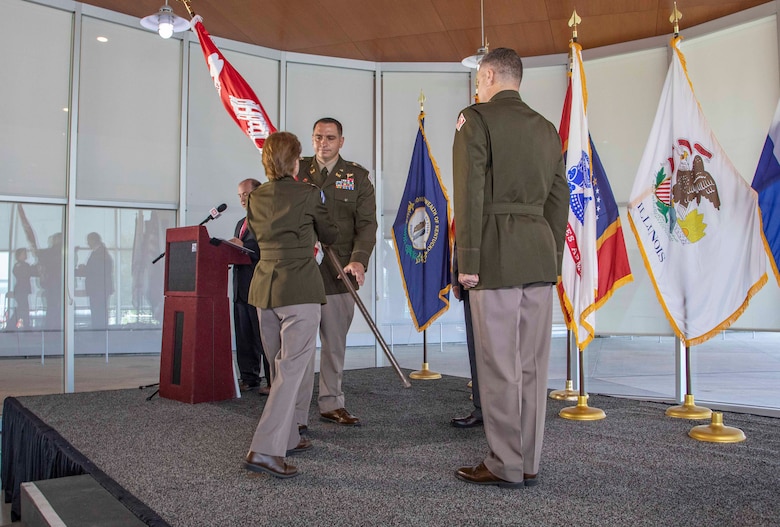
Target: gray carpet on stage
[(637, 467)]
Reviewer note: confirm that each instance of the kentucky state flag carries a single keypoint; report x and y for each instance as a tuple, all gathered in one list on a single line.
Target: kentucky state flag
[(579, 277), (695, 218), (421, 236), (237, 96), (767, 183)]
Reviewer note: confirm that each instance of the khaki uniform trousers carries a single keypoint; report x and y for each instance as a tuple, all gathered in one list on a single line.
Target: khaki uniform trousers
[(512, 332), (337, 317), (289, 336)]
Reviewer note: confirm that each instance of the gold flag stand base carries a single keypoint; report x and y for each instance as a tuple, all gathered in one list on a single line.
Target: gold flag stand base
[(425, 374), (688, 410), (582, 412), (716, 432), (567, 394)]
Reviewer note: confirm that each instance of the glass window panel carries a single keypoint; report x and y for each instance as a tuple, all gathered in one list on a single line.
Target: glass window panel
[(129, 115), (31, 295), (34, 99), (119, 294)]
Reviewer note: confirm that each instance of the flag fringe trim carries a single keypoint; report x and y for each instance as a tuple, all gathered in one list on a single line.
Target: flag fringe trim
[(719, 327), (571, 324), (767, 248), (443, 293)]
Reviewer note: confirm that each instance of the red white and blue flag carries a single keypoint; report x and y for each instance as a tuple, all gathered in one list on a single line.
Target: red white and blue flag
[(766, 182), (579, 276), (237, 96)]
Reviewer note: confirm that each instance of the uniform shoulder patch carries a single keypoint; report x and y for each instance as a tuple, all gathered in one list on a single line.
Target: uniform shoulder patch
[(461, 122)]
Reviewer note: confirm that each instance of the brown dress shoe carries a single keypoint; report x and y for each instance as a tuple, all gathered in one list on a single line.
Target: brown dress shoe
[(303, 444), (273, 465), (264, 390), (529, 480), (302, 429), (341, 417), (480, 475)]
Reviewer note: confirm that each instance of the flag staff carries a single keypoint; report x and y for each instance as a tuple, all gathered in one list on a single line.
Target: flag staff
[(581, 412), (568, 393), (424, 374), (688, 410)]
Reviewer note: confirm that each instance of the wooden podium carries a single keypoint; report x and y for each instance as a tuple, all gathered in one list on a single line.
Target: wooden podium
[(196, 363)]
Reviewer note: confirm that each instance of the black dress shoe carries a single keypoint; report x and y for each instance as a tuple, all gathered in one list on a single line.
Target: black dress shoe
[(480, 475), (303, 445), (466, 422), (302, 429), (273, 465)]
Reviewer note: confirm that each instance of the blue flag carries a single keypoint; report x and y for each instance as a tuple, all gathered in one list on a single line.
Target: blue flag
[(767, 183), (422, 238)]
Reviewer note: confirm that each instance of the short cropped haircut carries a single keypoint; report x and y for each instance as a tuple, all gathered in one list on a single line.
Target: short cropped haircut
[(329, 120), (255, 183), (280, 152), (506, 63)]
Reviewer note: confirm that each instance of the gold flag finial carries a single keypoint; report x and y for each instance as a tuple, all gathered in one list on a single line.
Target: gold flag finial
[(421, 100), (188, 6), (573, 21), (675, 19)]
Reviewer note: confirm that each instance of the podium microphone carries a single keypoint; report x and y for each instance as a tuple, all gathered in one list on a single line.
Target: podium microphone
[(214, 214)]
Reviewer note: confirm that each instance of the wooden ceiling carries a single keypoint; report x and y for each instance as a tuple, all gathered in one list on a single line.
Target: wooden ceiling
[(433, 30)]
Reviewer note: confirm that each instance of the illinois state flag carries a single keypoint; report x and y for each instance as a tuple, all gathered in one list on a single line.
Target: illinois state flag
[(579, 276), (421, 236), (766, 182), (237, 96), (695, 218)]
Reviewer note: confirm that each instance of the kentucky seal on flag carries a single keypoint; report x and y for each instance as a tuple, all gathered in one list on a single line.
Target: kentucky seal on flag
[(695, 218), (579, 275), (421, 236)]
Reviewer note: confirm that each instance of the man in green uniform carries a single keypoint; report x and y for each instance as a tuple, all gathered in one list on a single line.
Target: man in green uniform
[(511, 208), (349, 196)]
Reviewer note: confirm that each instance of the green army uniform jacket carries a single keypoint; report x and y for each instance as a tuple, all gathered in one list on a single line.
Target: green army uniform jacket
[(510, 192), (349, 197), (287, 218)]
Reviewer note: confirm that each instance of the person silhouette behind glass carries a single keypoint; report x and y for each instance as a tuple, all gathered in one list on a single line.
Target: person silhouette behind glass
[(99, 283), (49, 269), (22, 272)]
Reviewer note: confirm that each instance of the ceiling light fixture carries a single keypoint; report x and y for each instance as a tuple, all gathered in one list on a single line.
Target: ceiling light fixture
[(474, 60), (165, 22)]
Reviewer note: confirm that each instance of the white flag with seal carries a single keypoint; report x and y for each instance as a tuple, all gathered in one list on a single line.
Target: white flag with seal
[(694, 217)]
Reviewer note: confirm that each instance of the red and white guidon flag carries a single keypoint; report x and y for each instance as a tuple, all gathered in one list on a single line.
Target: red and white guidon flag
[(237, 96)]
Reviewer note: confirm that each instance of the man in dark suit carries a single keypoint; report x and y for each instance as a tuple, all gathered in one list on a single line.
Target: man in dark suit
[(349, 196), (249, 347), (511, 205), (99, 282)]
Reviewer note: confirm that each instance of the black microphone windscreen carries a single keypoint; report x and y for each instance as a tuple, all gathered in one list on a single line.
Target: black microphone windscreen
[(222, 208)]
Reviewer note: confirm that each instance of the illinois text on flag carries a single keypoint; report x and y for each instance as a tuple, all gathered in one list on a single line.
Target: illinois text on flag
[(421, 236), (694, 217), (766, 182), (579, 276), (237, 96)]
